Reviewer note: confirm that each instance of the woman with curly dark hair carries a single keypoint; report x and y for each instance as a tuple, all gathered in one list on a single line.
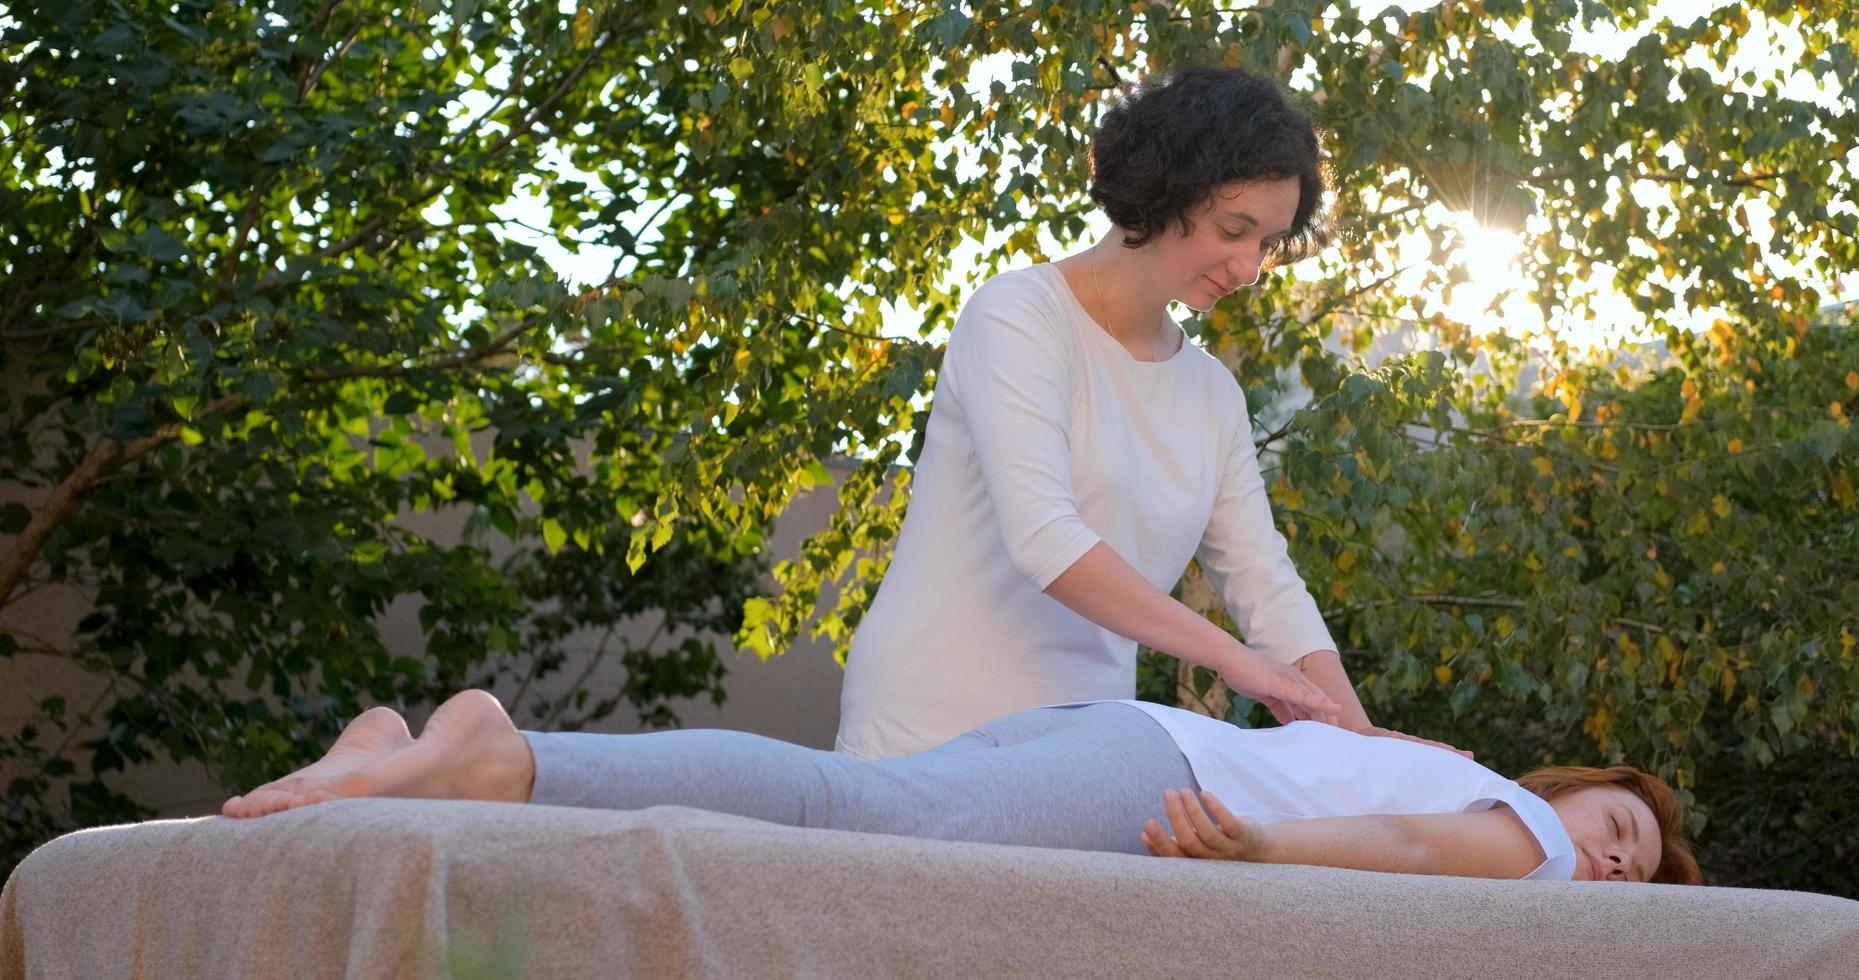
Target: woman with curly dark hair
[(1080, 451)]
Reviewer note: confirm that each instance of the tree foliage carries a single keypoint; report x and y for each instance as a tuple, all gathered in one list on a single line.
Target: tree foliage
[(262, 273), (262, 313)]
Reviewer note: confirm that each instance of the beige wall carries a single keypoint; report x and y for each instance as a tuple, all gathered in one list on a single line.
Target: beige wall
[(794, 696)]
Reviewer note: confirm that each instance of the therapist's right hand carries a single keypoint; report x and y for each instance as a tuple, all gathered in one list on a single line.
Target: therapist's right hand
[(1282, 688)]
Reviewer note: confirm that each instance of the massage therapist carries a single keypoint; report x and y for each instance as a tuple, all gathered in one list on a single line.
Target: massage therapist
[(1081, 450)]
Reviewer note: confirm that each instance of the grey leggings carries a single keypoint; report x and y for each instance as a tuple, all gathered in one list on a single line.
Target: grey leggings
[(1080, 777)]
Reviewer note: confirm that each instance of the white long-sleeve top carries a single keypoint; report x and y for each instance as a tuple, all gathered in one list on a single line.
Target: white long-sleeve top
[(1046, 437), (1308, 769)]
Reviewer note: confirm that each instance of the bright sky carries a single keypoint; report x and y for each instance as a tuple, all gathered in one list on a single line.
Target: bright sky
[(1488, 255)]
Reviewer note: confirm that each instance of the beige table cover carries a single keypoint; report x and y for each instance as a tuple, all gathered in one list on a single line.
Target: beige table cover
[(410, 888)]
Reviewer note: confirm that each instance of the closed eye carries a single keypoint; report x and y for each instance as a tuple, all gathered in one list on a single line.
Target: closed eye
[(1633, 873), (1269, 243)]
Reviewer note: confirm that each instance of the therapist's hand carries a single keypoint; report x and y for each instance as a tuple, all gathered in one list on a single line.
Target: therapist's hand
[(1391, 733), (1282, 688)]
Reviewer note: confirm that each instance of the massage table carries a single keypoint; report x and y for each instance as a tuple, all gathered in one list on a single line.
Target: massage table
[(423, 888)]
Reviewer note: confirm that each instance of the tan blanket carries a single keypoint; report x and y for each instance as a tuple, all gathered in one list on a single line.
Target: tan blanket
[(408, 888)]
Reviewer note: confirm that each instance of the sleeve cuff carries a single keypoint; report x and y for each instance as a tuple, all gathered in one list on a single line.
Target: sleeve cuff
[(1065, 557), (1297, 646)]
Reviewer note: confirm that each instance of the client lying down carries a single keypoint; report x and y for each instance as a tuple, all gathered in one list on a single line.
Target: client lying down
[(1096, 776)]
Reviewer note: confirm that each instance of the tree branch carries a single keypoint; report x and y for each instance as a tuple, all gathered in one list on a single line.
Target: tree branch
[(494, 347), (822, 324), (324, 15), (594, 661), (84, 717), (70, 326), (230, 269), (1116, 77), (308, 84), (1488, 602), (561, 90), (374, 225), (1703, 180), (109, 456), (1353, 293), (106, 457), (1275, 435)]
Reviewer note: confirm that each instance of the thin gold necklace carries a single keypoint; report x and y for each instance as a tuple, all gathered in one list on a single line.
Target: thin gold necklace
[(1097, 288)]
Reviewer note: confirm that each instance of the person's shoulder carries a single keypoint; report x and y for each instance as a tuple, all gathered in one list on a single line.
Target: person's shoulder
[(1023, 300), (1206, 365), (1028, 287), (1212, 374), (1558, 862)]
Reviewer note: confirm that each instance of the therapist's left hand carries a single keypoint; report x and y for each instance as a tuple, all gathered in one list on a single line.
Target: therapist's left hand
[(1391, 733), (1280, 687)]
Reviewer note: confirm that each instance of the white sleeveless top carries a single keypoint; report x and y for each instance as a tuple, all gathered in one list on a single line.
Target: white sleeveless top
[(1309, 769), (1047, 437)]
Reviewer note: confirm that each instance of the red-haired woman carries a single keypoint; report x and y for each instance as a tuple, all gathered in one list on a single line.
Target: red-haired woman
[(1099, 776)]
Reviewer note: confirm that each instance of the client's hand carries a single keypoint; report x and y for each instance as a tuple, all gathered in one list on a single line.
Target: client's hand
[(1222, 835), (1282, 688), (1391, 733)]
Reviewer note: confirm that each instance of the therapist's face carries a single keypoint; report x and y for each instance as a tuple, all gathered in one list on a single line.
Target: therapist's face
[(1234, 232), (1615, 833)]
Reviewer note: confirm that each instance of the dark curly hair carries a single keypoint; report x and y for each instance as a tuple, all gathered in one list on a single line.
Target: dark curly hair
[(1161, 152)]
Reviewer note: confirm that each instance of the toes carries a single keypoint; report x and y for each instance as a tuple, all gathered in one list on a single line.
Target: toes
[(260, 802), (242, 807), (291, 801), (272, 798)]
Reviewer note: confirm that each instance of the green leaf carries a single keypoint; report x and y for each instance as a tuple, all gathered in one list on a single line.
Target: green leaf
[(158, 245), (1824, 438), (1512, 678), (947, 28), (401, 402), (904, 378), (814, 474)]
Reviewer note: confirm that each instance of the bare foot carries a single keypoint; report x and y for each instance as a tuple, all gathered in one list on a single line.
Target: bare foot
[(469, 750), (372, 736)]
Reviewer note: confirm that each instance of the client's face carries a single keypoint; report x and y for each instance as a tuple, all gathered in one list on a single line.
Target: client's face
[(1615, 833)]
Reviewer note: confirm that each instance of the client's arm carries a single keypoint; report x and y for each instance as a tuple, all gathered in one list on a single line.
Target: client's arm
[(1486, 844)]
